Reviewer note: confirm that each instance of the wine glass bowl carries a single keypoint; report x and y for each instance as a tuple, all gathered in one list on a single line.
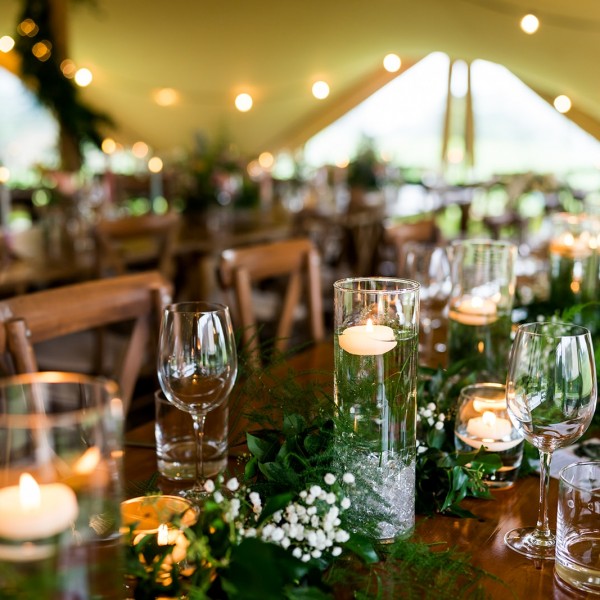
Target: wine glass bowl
[(197, 365), (551, 392)]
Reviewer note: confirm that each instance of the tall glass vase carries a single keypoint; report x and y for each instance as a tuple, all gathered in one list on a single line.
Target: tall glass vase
[(481, 300), (376, 356), (60, 487)]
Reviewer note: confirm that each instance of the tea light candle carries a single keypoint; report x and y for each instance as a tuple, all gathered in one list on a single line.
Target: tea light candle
[(571, 246), (367, 340), (473, 310), (491, 431), (29, 511)]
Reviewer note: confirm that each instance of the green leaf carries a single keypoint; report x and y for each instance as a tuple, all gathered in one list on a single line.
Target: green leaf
[(277, 473), (275, 503), (293, 424), (363, 547), (261, 448)]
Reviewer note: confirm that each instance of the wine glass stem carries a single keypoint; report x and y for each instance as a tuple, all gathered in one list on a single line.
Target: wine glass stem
[(199, 419), (542, 522)]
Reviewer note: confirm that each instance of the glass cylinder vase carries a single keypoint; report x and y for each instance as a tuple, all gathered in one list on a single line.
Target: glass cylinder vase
[(480, 305), (376, 356), (60, 486), (574, 277)]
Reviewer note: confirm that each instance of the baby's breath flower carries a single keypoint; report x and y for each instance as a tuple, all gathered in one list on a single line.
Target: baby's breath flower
[(431, 406), (209, 486), (329, 478), (232, 484), (439, 425), (348, 478), (218, 497), (336, 551), (345, 503)]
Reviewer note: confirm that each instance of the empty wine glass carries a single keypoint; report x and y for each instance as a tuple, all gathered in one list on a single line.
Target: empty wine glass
[(551, 394), (197, 366)]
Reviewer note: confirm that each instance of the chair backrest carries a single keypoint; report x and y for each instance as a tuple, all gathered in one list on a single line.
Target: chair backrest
[(49, 314), (241, 269), (399, 234), (133, 240)]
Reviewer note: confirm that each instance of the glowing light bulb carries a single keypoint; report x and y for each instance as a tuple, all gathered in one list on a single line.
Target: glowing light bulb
[(320, 90), (108, 145), (530, 24), (166, 97), (155, 165), (392, 63), (266, 160), (562, 103), (243, 102), (83, 77), (6, 43)]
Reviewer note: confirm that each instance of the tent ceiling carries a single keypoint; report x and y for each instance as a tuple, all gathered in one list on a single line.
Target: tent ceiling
[(211, 50)]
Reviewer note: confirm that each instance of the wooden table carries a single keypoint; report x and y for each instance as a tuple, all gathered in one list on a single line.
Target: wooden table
[(482, 538)]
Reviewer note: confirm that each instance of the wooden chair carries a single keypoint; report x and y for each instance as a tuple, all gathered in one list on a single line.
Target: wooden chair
[(241, 270), (137, 241), (397, 235), (38, 317)]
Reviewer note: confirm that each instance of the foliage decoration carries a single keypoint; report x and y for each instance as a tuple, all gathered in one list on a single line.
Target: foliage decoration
[(41, 70)]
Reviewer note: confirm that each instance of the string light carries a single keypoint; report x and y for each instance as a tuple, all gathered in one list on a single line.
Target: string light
[(166, 97), (42, 50), (155, 165), (28, 28), (68, 68), (320, 90), (562, 104), (6, 43), (83, 77), (243, 102), (108, 146), (392, 63), (140, 149), (530, 24), (266, 160)]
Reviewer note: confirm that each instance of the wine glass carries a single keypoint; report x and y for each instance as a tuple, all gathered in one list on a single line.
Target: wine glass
[(197, 366), (551, 394)]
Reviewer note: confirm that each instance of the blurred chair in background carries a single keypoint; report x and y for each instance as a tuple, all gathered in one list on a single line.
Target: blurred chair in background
[(137, 243), (266, 280), (55, 329)]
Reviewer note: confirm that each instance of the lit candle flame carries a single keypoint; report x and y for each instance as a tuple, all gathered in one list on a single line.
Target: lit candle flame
[(162, 537), (29, 492), (488, 419), (369, 326)]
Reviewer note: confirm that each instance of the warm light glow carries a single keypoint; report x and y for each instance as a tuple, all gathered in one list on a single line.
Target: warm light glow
[(266, 160), (155, 165), (140, 149), (243, 102), (108, 145), (488, 418), (29, 492), (530, 24), (392, 63), (166, 97), (342, 163), (162, 536), (562, 103), (4, 174), (83, 77), (6, 43), (88, 461), (254, 169), (455, 155), (28, 27), (68, 68), (42, 50), (320, 90)]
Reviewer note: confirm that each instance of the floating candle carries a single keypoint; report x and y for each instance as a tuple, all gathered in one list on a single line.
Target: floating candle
[(473, 310), (32, 512), (367, 340), (572, 246), (490, 431)]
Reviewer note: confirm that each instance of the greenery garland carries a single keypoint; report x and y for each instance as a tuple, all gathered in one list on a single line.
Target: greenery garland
[(79, 123)]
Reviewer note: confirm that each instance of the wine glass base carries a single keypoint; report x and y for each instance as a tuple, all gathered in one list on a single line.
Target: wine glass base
[(196, 496), (525, 541)]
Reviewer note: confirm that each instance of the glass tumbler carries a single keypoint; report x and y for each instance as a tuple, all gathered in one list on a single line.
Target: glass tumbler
[(375, 386), (60, 486), (480, 305)]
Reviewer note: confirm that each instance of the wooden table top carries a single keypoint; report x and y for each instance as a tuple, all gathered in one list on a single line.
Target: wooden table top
[(482, 538)]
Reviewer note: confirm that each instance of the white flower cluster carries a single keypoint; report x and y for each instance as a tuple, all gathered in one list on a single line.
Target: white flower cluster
[(428, 416), (308, 528)]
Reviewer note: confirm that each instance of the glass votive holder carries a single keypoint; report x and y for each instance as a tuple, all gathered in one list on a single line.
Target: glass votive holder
[(60, 486), (480, 305), (482, 420), (158, 521), (574, 259)]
